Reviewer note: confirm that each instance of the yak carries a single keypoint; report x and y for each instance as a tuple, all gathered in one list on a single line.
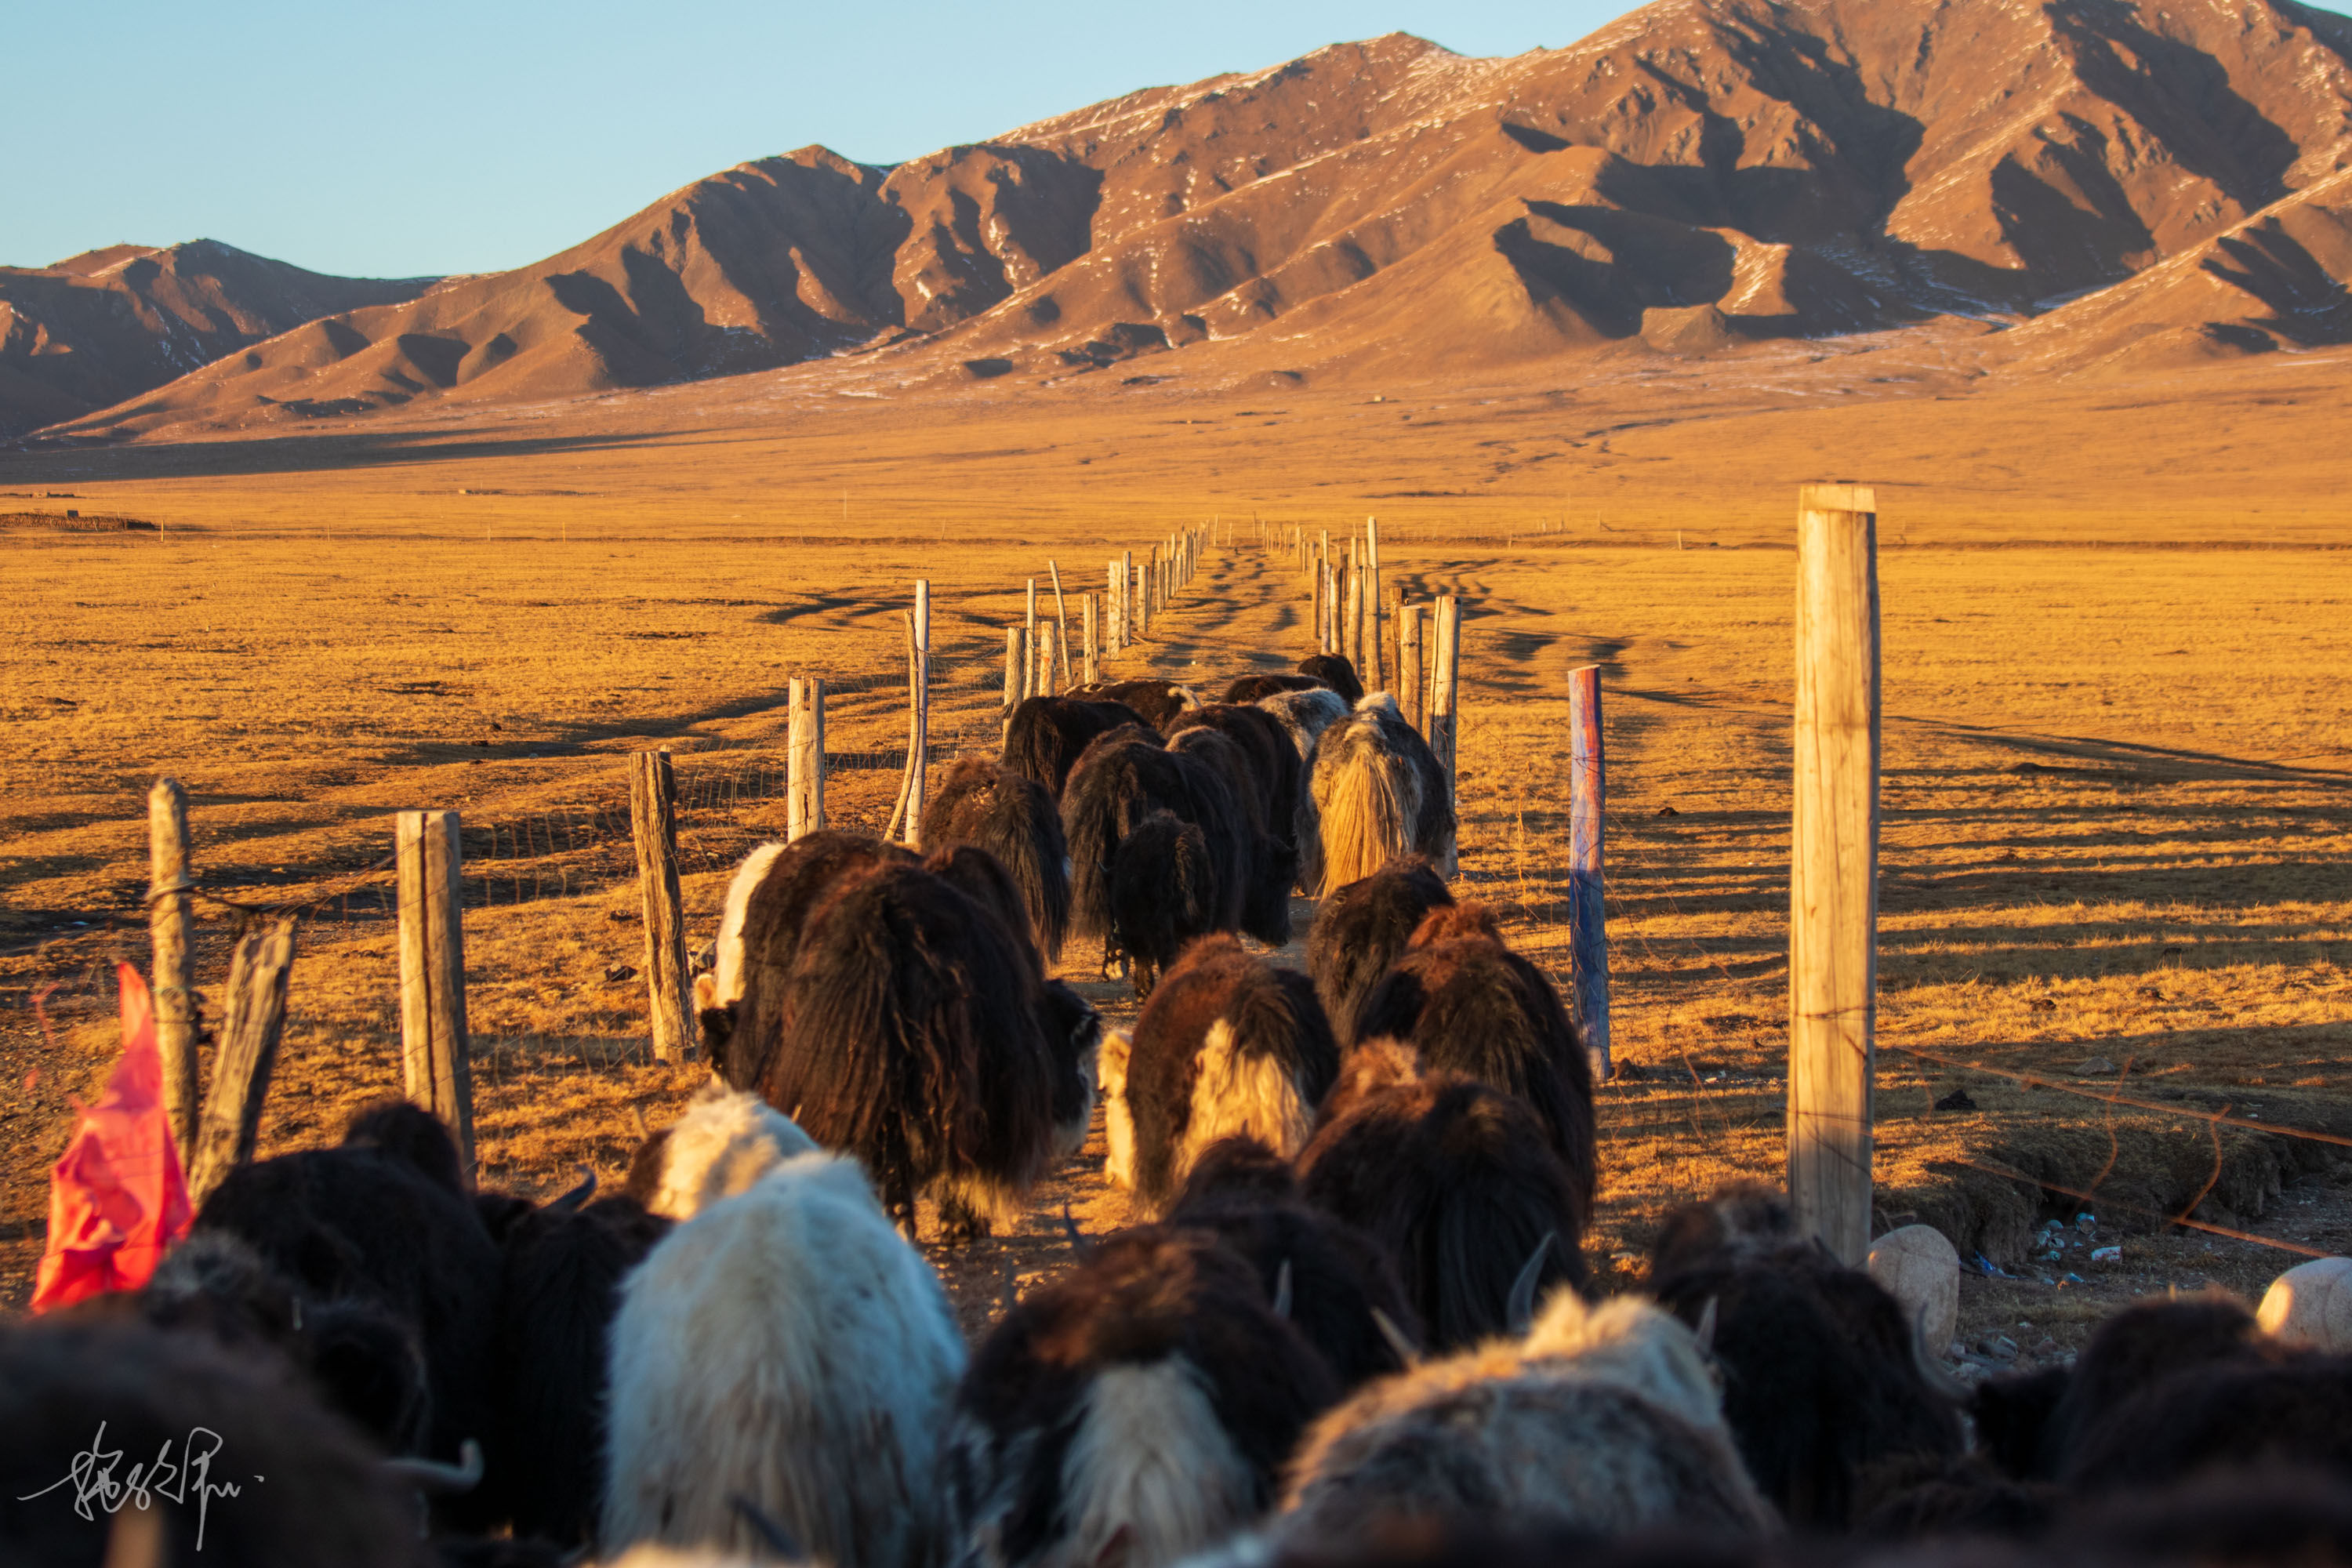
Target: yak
[(1378, 793), (1045, 735), (1251, 687), (1147, 887), (1158, 701), (1337, 672), (1015, 820), (1363, 928), (727, 1140)]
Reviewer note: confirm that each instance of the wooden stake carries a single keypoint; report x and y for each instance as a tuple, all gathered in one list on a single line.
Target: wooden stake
[(1833, 867), (906, 773), (171, 923), (1412, 695), (1353, 638), (1127, 621), (653, 818), (1587, 914), (919, 748), (251, 1027), (1013, 667), (1443, 687), (1377, 681), (1093, 666), (436, 1048), (1062, 628), (795, 762), (1032, 681), (1048, 645)]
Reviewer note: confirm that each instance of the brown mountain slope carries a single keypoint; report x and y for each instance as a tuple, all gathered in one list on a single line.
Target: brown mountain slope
[(1697, 176), (105, 325)]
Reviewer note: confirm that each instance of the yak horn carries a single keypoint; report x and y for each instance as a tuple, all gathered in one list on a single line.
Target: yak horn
[(1282, 1290), (1521, 1311), (577, 1198), (1408, 1354), (438, 1475), (1705, 1329), (772, 1535)]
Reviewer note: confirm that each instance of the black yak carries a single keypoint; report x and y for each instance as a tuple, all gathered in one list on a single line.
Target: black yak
[(1167, 889), (1158, 701), (1458, 1180), (1201, 878), (1046, 736), (1277, 769), (1378, 793), (2139, 1347), (1334, 671), (910, 1030), (1304, 716), (788, 1350), (1228, 1044), (1016, 821), (1469, 1004), (1135, 1410), (2225, 1415), (1823, 1374), (1361, 928), (1270, 863), (1342, 1286), (1250, 688)]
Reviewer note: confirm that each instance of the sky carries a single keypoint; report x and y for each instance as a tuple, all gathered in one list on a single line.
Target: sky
[(437, 137)]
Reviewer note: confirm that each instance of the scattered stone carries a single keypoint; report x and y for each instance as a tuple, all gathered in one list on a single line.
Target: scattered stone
[(1957, 1101), (2106, 1255), (2096, 1066), (2311, 1304), (1918, 1266)]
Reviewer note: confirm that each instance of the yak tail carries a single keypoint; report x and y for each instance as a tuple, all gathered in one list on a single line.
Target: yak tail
[(1368, 817), (1033, 854)]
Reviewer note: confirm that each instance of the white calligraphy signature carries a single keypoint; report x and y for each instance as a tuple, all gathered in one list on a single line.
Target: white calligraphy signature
[(93, 1479)]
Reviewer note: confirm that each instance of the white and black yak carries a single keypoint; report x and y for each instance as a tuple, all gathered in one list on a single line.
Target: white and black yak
[(1228, 1046), (1458, 1180), (236, 1461), (911, 1028), (1134, 1411), (784, 1356), (1336, 671), (1363, 928), (1157, 848), (1339, 1284), (1461, 997), (1603, 1420), (727, 1140), (1015, 820), (1269, 862), (1378, 793), (1251, 687), (1158, 701), (1046, 736), (1304, 716), (1824, 1376)]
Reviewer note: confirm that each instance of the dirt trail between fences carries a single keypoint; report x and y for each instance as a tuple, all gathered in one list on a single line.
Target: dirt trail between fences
[(2073, 868)]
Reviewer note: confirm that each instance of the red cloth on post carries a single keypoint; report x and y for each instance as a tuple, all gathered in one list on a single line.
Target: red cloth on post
[(117, 1199)]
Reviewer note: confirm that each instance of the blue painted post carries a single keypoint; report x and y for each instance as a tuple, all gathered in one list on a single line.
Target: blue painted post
[(1588, 922)]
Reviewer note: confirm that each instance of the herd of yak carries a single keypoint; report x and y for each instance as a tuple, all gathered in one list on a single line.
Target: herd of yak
[(1356, 1330)]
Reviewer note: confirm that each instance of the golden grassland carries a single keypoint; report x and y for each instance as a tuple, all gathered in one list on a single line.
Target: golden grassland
[(2117, 771)]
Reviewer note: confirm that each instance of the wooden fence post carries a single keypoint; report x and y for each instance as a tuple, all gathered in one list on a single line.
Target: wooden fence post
[(1410, 693), (251, 1026), (1048, 645), (171, 923), (1588, 919), (1833, 867), (1093, 664), (795, 760), (804, 761), (1143, 599), (1032, 681), (1444, 685), (1062, 630), (1374, 648), (919, 742), (1012, 676), (653, 817), (436, 1048)]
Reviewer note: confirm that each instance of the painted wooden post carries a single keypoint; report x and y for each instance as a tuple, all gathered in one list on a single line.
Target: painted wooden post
[(653, 817), (918, 750), (1093, 664), (436, 1048), (251, 1026), (1412, 695), (1588, 783), (1062, 631), (1833, 867), (171, 924)]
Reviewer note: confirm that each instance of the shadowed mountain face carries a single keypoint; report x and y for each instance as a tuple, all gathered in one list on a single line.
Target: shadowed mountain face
[(105, 325), (1697, 176)]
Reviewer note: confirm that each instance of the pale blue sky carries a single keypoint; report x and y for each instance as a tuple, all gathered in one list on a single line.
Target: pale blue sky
[(471, 135)]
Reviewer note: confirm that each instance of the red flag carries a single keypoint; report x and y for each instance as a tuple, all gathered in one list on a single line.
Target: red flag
[(117, 1199)]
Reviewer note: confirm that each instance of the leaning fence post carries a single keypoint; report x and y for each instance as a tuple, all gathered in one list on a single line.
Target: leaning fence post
[(435, 1050), (653, 817), (170, 922), (251, 1026), (1833, 867), (1093, 655), (1588, 783), (1062, 630), (919, 748)]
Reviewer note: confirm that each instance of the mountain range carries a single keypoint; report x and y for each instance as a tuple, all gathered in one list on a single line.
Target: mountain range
[(2088, 185)]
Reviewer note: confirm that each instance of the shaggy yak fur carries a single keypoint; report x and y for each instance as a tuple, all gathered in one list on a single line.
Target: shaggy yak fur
[(1362, 929), (1135, 1410), (1015, 820), (379, 1221), (2138, 1348), (1603, 1420), (1459, 1180), (1047, 736), (1334, 671), (2295, 1412), (1227, 1046), (1822, 1373), (1469, 1004), (1148, 886), (910, 1031), (1166, 890), (323, 1496), (727, 1140), (1279, 769), (1158, 701), (776, 893), (1250, 688), (559, 1290), (1304, 716), (1270, 862), (786, 1347), (1378, 793), (1340, 1278)]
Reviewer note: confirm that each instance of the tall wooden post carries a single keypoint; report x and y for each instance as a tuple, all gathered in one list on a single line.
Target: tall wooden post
[(436, 1048), (1352, 639), (795, 759), (1143, 599), (918, 743), (1412, 695), (653, 817), (1093, 666), (1833, 867), (1126, 622), (1315, 598), (804, 761), (1047, 645), (1376, 678), (1443, 685), (1062, 630), (1587, 914), (1013, 665), (1032, 681), (171, 923), (251, 1026)]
